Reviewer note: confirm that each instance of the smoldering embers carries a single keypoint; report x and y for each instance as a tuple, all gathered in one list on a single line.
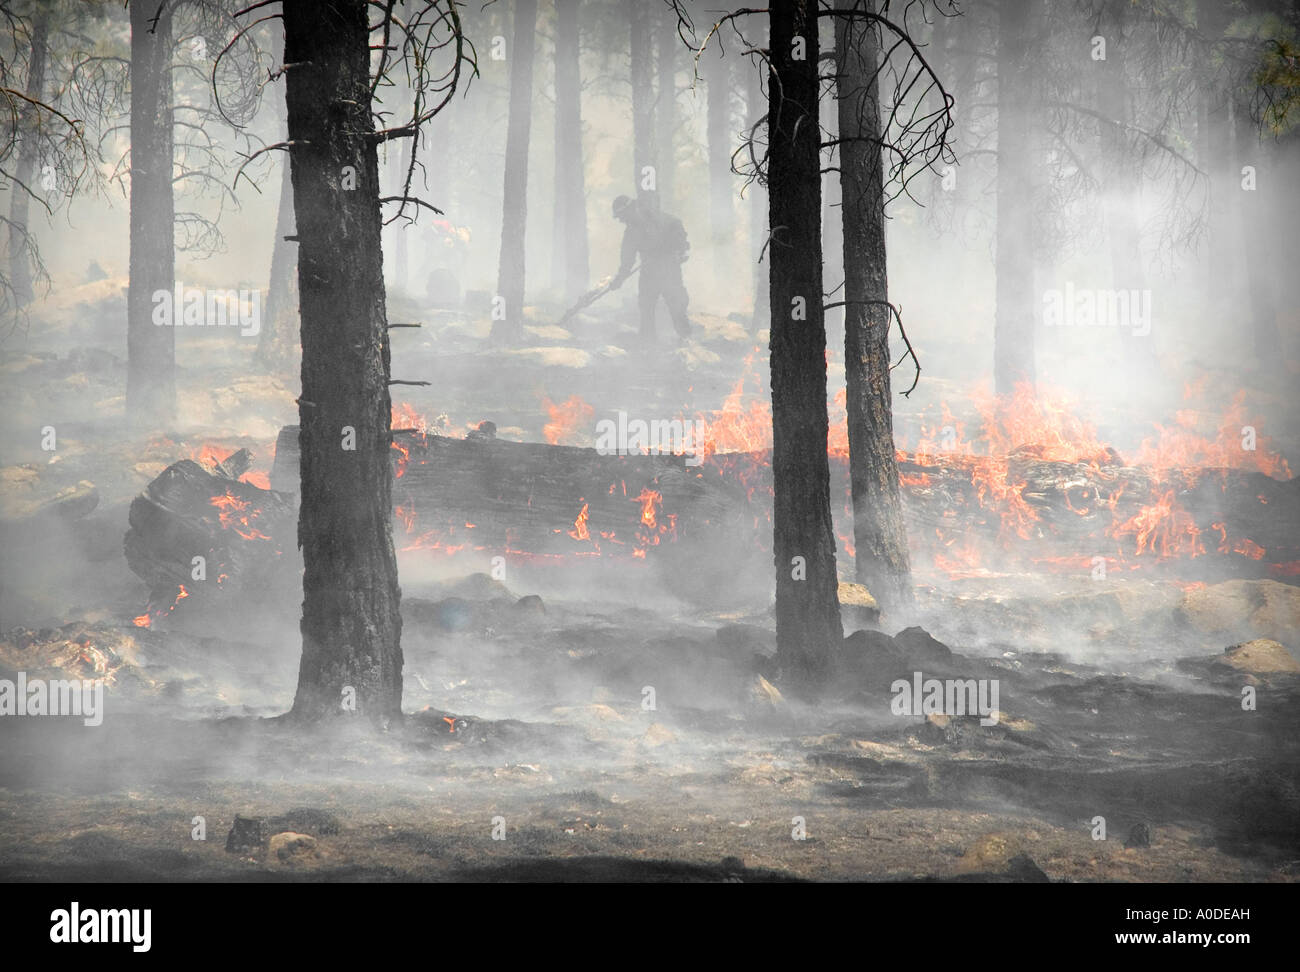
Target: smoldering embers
[(37, 697)]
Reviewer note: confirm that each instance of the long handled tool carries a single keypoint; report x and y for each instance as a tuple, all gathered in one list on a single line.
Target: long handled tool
[(593, 295)]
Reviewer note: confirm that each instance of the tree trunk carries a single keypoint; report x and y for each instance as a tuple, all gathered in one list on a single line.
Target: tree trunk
[(1013, 333), (643, 138), (351, 628), (514, 219), (879, 537), (150, 347), (808, 629), (757, 192), (666, 107), (569, 254), (20, 266)]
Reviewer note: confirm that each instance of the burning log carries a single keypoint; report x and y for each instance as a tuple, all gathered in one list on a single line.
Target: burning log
[(196, 530), (540, 499), (1069, 513)]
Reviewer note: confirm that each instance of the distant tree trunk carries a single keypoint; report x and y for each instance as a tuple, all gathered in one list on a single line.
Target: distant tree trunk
[(1013, 334), (510, 272), (879, 538), (277, 345), (666, 106), (20, 267), (757, 111), (569, 254), (643, 138), (150, 348), (351, 627), (1122, 173), (808, 629), (718, 90)]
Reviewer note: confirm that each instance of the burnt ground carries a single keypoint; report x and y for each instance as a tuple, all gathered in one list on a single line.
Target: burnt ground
[(1117, 699)]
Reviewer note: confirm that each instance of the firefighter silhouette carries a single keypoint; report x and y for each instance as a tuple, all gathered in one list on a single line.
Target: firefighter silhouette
[(659, 240)]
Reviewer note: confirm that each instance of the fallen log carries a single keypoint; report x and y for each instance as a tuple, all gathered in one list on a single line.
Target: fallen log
[(203, 530), (525, 500), (539, 499)]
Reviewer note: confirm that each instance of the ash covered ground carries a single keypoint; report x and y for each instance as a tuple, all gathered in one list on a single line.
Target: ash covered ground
[(527, 710)]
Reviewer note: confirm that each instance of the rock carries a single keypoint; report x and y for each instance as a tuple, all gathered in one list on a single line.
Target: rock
[(1022, 868), (857, 605), (920, 646), (1139, 836), (479, 587), (1261, 656), (287, 846), (247, 835), (530, 605)]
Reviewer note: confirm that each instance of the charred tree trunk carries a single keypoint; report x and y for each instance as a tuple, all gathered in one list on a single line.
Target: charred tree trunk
[(666, 106), (643, 138), (150, 347), (514, 218), (879, 537), (808, 629), (351, 628), (1013, 332), (20, 267), (569, 254)]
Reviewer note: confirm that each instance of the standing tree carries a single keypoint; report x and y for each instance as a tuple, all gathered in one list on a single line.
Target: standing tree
[(639, 71), (570, 268), (150, 349), (808, 628), (351, 625), (879, 539), (514, 198), (1013, 329), (665, 109)]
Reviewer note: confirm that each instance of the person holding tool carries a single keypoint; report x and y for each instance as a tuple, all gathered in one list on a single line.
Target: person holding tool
[(660, 241)]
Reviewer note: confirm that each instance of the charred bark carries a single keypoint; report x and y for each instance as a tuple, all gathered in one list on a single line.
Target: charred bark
[(1013, 332), (570, 258), (808, 628), (351, 628), (20, 265), (880, 541), (150, 346), (514, 197)]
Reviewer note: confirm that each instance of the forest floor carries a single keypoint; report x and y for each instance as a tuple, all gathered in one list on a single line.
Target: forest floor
[(1117, 699)]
